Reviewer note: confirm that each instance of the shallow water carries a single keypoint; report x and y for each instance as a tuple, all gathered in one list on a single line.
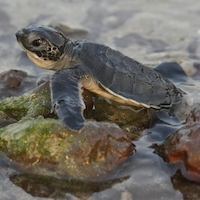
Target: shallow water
[(150, 32)]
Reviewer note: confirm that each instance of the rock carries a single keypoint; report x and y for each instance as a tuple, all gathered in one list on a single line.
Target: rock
[(47, 147), (38, 102), (15, 82), (172, 71), (131, 119), (184, 145), (33, 103)]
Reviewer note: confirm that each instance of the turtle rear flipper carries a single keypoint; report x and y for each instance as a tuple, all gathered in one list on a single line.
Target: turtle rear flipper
[(66, 96)]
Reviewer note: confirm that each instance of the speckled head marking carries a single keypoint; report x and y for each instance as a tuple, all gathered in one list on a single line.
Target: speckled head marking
[(43, 45)]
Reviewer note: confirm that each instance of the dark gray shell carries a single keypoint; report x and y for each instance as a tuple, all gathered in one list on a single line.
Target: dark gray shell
[(125, 76)]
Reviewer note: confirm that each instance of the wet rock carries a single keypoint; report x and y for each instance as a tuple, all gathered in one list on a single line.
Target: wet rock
[(131, 119), (116, 112), (5, 122), (184, 145), (47, 147), (15, 82), (33, 103), (38, 102)]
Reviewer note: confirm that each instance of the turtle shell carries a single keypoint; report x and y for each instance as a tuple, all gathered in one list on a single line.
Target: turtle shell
[(126, 77)]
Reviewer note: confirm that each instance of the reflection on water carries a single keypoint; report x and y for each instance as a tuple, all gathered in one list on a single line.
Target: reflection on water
[(43, 186)]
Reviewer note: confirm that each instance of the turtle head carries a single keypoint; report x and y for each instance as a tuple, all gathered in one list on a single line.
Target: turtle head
[(43, 45)]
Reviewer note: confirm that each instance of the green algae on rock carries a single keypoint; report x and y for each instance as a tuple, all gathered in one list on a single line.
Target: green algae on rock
[(30, 137), (34, 103), (46, 146)]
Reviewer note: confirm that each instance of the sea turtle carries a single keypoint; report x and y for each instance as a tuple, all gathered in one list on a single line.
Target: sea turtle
[(95, 67)]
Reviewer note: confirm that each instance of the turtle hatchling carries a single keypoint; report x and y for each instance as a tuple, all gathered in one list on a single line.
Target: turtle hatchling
[(95, 67)]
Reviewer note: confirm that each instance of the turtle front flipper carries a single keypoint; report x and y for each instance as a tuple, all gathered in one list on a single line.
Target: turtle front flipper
[(66, 97)]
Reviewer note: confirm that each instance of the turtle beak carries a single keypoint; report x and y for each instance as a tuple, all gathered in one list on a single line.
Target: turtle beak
[(20, 35)]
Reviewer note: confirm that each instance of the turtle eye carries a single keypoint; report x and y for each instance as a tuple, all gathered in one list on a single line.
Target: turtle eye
[(37, 43)]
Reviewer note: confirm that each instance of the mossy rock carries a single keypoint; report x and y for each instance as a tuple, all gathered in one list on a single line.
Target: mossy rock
[(46, 146), (38, 102), (33, 103)]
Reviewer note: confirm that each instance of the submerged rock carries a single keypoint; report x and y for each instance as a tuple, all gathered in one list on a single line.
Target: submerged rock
[(47, 147)]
